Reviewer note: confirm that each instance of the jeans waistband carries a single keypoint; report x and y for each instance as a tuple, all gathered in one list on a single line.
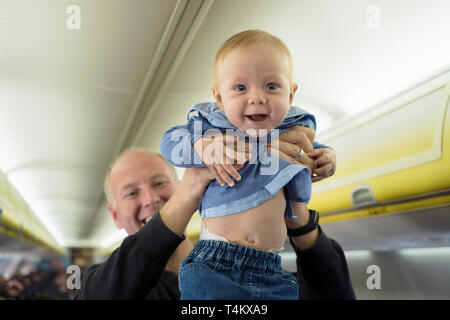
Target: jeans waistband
[(225, 252)]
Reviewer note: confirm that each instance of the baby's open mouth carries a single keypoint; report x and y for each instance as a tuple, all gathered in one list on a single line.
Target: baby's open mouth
[(257, 117)]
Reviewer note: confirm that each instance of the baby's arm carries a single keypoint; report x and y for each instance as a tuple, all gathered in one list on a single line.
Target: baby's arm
[(176, 147)]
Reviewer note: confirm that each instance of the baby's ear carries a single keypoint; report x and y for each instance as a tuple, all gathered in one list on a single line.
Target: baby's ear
[(217, 96), (294, 88)]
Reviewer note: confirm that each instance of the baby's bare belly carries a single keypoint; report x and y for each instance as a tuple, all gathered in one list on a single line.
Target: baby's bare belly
[(261, 227)]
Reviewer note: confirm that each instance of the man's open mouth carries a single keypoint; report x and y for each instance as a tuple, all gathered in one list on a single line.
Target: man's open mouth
[(145, 220)]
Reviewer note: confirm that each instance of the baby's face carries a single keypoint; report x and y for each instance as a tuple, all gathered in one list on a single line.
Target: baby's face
[(253, 88)]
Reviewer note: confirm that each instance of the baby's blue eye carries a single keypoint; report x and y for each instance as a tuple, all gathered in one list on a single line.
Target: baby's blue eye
[(240, 87), (271, 86)]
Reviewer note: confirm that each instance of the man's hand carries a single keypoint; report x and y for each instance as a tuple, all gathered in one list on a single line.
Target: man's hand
[(321, 162), (290, 152), (290, 143), (301, 137)]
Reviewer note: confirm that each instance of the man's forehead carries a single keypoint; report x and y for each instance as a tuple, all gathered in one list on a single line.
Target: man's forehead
[(139, 165), (135, 181), (138, 158)]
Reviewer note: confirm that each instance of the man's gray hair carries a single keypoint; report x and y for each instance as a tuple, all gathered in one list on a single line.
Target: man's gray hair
[(107, 185)]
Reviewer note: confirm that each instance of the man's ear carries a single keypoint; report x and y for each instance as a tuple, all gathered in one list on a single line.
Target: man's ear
[(217, 96), (294, 88), (115, 216)]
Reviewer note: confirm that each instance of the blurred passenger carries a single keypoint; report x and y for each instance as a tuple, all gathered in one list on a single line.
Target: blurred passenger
[(38, 285)]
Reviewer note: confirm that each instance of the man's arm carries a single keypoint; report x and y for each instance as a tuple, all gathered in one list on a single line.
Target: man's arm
[(322, 270), (137, 265), (321, 264), (177, 212), (133, 268)]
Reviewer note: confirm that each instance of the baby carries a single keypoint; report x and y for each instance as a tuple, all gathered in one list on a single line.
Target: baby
[(243, 211)]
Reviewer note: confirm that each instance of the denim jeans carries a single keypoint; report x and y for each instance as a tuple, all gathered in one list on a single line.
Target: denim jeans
[(217, 270)]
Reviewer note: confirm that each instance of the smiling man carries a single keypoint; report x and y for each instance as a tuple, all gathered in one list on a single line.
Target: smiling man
[(142, 183), (137, 185)]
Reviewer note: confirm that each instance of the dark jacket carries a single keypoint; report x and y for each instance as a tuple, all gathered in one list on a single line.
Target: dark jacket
[(135, 270)]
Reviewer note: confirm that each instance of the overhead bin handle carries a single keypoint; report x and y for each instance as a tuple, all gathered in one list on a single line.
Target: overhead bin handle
[(362, 196)]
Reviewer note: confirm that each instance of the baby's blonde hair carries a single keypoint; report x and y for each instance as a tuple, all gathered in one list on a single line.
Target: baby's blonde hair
[(247, 39)]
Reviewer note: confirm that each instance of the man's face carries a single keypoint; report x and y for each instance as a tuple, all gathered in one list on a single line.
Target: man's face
[(254, 88), (141, 184)]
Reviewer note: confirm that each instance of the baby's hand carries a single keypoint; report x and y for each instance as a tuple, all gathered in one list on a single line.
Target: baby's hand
[(224, 156)]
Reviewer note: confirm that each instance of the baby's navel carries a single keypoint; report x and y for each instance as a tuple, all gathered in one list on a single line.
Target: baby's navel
[(250, 238)]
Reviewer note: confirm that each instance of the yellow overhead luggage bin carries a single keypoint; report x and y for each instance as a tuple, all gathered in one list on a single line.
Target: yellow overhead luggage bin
[(391, 159), (9, 221), (17, 220)]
